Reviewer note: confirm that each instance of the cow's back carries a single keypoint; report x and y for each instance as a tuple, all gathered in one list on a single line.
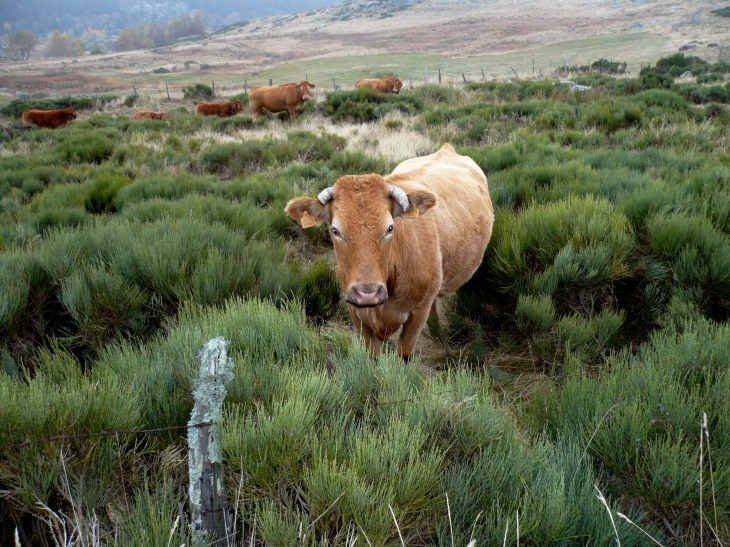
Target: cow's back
[(273, 99), (463, 216), (52, 119)]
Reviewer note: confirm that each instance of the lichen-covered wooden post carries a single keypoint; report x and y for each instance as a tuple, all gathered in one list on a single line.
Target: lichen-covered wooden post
[(208, 508)]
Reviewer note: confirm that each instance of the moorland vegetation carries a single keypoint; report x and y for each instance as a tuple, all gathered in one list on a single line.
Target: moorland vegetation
[(582, 357)]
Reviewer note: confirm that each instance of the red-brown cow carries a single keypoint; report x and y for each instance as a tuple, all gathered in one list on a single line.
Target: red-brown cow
[(150, 114), (403, 240), (53, 119), (383, 85), (278, 98), (223, 110)]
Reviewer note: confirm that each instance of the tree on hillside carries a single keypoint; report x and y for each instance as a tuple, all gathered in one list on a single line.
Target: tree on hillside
[(21, 43), (186, 26), (157, 33), (133, 38), (63, 45)]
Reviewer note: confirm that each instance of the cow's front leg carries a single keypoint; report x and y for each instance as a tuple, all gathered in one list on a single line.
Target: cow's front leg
[(372, 342), (412, 329)]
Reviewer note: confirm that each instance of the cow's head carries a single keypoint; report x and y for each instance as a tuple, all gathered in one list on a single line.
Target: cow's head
[(304, 86), (162, 116), (364, 214), (238, 106), (397, 85), (71, 113)]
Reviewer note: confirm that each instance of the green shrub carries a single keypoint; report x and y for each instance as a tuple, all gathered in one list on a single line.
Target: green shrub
[(534, 314), (95, 146), (364, 105), (15, 108), (198, 92)]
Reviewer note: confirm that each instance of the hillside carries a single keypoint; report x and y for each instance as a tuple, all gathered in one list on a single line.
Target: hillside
[(466, 34)]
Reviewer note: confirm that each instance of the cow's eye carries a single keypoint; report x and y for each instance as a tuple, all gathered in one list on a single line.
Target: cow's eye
[(390, 229), (335, 232)]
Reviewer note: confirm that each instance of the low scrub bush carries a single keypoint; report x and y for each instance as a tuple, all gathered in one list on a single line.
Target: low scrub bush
[(95, 146), (364, 105), (198, 92), (15, 108)]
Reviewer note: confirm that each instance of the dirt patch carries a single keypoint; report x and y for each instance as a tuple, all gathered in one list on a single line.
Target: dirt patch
[(77, 83)]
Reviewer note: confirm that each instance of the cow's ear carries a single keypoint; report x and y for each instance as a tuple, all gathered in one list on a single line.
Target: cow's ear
[(307, 211), (419, 201), (312, 86), (299, 87)]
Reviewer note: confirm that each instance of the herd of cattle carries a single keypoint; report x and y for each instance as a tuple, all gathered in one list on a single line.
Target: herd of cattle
[(401, 241), (278, 98)]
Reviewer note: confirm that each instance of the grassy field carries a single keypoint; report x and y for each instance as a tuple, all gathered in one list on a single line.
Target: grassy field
[(345, 70), (588, 354)]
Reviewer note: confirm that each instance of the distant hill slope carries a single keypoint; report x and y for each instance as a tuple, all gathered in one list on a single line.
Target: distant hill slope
[(467, 32), (41, 16)]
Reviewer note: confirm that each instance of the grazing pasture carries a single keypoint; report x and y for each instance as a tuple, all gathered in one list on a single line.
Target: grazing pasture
[(582, 357)]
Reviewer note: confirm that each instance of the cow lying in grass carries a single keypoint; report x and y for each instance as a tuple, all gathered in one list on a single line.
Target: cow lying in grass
[(404, 240), (224, 110), (278, 98), (151, 115), (52, 119), (382, 85)]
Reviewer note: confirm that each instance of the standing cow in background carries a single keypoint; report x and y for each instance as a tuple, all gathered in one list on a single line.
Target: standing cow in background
[(278, 98), (150, 115), (52, 119), (383, 85), (404, 240), (224, 110)]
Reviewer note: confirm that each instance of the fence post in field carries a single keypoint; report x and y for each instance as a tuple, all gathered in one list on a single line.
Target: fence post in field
[(565, 66), (245, 86), (513, 70), (483, 76), (439, 76), (463, 76), (334, 84), (425, 72), (167, 91), (134, 88), (213, 89), (271, 82), (209, 518), (533, 68)]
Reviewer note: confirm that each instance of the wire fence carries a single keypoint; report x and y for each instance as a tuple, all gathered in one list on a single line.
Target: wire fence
[(498, 383)]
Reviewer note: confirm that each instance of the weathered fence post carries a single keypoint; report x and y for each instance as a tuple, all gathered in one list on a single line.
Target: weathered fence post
[(134, 88), (213, 89), (245, 86), (425, 72), (271, 82), (439, 76), (483, 76), (167, 90), (208, 508), (513, 70), (463, 76), (565, 66)]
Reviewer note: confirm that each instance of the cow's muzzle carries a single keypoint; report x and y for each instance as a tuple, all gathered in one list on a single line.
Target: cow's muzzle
[(305, 98), (367, 295)]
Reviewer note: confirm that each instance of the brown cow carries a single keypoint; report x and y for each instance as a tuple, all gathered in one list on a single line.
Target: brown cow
[(52, 119), (223, 110), (383, 85), (278, 98), (403, 240), (150, 114)]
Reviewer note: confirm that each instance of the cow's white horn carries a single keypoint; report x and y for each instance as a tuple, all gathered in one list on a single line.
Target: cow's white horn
[(398, 195), (326, 195)]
